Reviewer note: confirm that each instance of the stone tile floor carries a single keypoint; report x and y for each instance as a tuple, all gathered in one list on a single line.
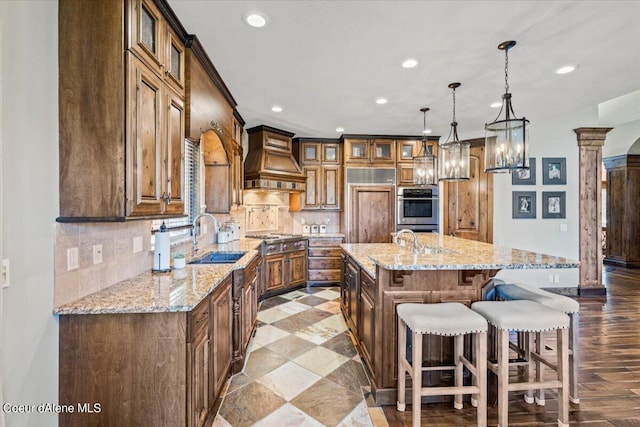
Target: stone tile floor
[(302, 369)]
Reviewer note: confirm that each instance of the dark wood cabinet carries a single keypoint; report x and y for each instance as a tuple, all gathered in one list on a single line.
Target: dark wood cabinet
[(469, 204), (406, 151), (324, 260), (321, 161), (366, 325), (349, 289), (376, 151), (275, 269), (623, 210), (220, 333), (147, 368), (284, 266), (200, 390), (372, 213), (120, 156)]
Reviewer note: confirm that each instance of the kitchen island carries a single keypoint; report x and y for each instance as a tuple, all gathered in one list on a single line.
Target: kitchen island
[(377, 277)]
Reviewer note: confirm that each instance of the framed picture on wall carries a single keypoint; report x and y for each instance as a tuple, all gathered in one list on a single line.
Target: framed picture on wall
[(554, 204), (525, 176), (523, 204), (554, 170)]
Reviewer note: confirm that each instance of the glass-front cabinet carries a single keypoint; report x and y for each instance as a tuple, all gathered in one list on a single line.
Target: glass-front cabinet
[(370, 151)]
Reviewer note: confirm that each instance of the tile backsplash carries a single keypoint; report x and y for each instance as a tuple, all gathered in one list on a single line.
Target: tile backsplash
[(125, 253)]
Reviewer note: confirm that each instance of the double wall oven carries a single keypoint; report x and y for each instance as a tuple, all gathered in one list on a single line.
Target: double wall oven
[(417, 208)]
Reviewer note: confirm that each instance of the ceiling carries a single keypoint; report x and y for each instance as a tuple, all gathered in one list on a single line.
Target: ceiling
[(326, 62)]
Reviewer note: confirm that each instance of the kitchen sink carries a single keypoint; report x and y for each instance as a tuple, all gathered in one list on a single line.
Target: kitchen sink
[(218, 258)]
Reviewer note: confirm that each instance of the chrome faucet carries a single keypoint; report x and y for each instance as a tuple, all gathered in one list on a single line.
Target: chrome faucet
[(415, 239), (194, 229)]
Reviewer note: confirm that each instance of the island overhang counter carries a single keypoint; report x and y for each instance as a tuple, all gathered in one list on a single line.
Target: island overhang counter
[(377, 277)]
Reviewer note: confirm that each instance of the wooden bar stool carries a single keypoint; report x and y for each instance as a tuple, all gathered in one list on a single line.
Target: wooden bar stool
[(529, 318), (443, 319), (569, 306)]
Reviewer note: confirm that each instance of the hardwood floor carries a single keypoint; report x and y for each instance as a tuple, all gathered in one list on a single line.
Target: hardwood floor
[(609, 374)]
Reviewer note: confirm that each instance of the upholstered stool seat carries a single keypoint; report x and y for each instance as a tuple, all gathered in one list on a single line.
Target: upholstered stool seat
[(512, 291), (443, 319), (529, 318)]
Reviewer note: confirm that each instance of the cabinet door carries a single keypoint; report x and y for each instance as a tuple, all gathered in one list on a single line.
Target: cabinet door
[(174, 72), (356, 151), (407, 150), (310, 152), (331, 187), (344, 286), (297, 267), (372, 214), (146, 35), (200, 383), (274, 272), (366, 328), (144, 148), (312, 194), (383, 151), (331, 154), (221, 350), (174, 164), (405, 174), (353, 286)]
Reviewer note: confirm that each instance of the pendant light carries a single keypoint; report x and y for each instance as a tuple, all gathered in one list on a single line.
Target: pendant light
[(454, 154), (506, 139), (425, 163)]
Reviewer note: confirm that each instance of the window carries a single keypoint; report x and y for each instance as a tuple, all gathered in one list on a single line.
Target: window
[(192, 189)]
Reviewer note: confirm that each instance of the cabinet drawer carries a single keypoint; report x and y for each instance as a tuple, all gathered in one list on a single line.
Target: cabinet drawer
[(199, 320), (324, 263), (324, 275), (368, 286), (329, 241), (324, 252)]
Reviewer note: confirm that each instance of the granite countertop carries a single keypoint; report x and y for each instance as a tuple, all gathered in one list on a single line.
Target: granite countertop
[(174, 291), (439, 252)]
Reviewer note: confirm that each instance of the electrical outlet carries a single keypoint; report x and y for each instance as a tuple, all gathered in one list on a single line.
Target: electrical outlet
[(563, 228), (6, 274), (550, 278), (97, 254), (302, 221), (137, 244), (556, 278), (72, 259)]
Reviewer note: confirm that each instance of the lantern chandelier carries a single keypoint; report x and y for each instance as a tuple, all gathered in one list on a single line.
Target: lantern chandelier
[(425, 163), (507, 139), (454, 154)]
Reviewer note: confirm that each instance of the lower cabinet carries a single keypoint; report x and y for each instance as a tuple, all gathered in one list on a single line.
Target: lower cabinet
[(161, 369), (246, 291), (285, 266), (366, 325), (324, 260)]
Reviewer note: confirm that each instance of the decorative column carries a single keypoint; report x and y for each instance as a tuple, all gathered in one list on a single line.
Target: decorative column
[(590, 142)]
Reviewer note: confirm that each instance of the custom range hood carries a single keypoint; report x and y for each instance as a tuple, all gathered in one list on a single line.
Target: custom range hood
[(270, 164)]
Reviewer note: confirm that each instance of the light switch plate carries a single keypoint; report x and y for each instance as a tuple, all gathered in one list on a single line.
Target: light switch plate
[(563, 228), (72, 259), (97, 254)]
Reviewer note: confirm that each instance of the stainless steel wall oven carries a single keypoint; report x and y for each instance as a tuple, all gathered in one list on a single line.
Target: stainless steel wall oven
[(417, 208)]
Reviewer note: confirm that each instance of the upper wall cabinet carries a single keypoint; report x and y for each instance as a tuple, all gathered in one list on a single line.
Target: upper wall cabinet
[(376, 151), (122, 113), (211, 109), (321, 163), (155, 43)]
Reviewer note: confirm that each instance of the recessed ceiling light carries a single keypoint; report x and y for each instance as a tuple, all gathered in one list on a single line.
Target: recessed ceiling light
[(566, 69), (255, 19), (381, 101), (276, 108), (339, 129), (409, 63), (495, 104)]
